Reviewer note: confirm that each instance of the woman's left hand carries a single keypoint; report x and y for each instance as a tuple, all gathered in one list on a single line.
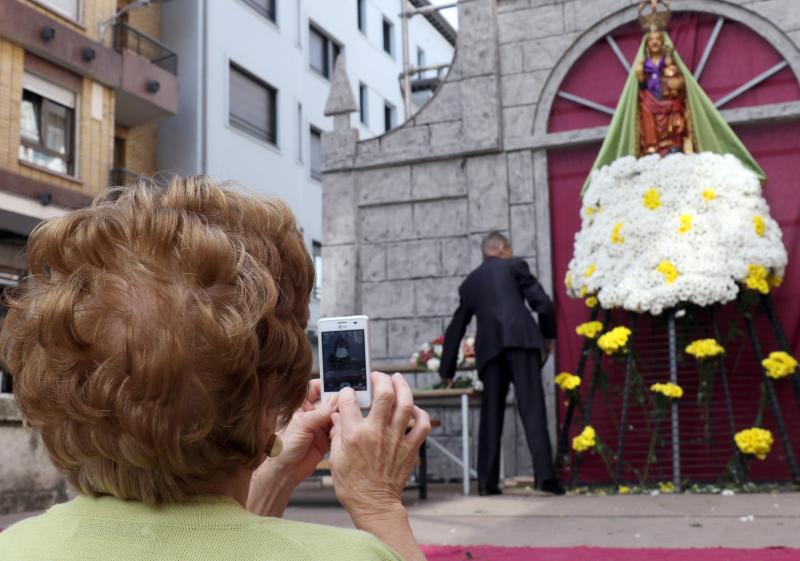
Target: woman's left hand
[(305, 440)]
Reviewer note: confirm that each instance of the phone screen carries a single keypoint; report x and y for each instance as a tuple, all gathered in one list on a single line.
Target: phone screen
[(344, 360)]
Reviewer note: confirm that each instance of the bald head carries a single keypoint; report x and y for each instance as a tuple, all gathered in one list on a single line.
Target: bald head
[(495, 245)]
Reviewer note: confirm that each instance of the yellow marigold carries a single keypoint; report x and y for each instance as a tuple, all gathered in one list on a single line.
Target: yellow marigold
[(624, 490), (567, 381), (705, 348), (590, 270), (757, 279), (779, 365), (592, 302), (686, 223), (669, 271), (615, 340), (568, 280), (585, 440), (666, 487), (652, 199), (754, 441), (590, 329), (709, 194), (670, 390), (616, 236), (774, 280), (759, 225)]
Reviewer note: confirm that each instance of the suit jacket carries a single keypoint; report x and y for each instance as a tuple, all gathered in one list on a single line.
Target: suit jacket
[(496, 293)]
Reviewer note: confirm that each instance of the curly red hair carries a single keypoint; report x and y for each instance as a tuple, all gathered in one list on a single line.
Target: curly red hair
[(154, 328)]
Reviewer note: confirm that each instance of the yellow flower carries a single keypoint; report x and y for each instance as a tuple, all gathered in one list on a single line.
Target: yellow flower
[(779, 365), (590, 329), (774, 280), (669, 271), (567, 381), (686, 223), (616, 236), (757, 279), (585, 440), (624, 490), (759, 225), (615, 340), (709, 195), (754, 441), (588, 211), (652, 199), (590, 270), (670, 390), (568, 280), (705, 348), (592, 301), (584, 291), (666, 487)]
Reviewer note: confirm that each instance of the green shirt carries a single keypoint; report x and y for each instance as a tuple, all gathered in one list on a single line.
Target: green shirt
[(87, 529)]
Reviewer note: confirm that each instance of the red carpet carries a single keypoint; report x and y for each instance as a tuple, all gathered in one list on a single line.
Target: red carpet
[(488, 553)]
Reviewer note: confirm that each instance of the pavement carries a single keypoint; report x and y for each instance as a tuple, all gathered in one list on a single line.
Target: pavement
[(531, 520)]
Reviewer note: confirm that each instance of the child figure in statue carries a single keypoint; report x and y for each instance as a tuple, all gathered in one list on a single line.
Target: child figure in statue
[(663, 110)]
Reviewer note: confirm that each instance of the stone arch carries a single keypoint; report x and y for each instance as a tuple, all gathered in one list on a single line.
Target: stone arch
[(605, 25)]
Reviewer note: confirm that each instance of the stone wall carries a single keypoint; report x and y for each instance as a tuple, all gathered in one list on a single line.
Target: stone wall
[(404, 213)]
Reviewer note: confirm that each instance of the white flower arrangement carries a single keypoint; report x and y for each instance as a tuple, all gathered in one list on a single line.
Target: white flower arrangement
[(682, 228)]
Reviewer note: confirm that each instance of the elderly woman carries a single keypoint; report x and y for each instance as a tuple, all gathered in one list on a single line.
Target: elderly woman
[(159, 347)]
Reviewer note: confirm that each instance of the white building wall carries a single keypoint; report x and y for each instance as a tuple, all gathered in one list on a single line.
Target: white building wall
[(225, 31)]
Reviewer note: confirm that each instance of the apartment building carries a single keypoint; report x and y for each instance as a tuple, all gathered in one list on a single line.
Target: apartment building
[(83, 84), (255, 76)]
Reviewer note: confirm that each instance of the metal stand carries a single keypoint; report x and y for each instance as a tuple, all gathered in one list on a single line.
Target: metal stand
[(766, 301), (465, 441), (673, 377), (623, 417)]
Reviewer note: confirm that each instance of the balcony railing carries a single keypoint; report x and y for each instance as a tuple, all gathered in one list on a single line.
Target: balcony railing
[(131, 39), (121, 177)]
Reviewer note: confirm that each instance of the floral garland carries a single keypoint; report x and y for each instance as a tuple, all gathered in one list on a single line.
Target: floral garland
[(682, 228), (429, 355)]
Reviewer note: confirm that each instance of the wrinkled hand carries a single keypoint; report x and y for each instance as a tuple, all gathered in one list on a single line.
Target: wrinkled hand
[(372, 457)]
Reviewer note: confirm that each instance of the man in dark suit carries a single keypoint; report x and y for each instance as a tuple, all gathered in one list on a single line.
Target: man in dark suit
[(509, 347)]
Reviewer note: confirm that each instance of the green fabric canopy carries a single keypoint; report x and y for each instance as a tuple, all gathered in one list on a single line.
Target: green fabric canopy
[(711, 132)]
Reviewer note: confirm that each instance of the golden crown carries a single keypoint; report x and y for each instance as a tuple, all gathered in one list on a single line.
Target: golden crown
[(655, 20)]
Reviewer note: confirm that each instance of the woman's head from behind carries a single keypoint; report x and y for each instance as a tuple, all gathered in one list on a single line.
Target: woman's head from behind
[(156, 328)]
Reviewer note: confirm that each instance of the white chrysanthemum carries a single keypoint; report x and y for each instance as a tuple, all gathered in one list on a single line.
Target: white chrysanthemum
[(683, 228)]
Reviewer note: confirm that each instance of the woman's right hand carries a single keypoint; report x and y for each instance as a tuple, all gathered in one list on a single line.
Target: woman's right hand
[(372, 458)]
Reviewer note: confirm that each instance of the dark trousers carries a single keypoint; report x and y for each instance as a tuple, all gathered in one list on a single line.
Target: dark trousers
[(522, 367)]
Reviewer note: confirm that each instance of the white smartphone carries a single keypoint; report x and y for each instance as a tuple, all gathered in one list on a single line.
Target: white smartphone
[(344, 357)]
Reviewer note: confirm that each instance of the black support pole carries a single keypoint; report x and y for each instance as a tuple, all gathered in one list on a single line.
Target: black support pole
[(777, 328)]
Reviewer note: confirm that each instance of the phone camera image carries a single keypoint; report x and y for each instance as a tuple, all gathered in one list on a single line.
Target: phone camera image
[(344, 360)]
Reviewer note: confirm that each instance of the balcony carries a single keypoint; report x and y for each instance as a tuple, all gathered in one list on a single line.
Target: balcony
[(129, 38)]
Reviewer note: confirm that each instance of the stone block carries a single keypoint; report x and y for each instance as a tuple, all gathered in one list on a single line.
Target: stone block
[(783, 13), (339, 208), (387, 299), (426, 380), (384, 185), (339, 288), (520, 177), (410, 141), (481, 113), (578, 18), (338, 148), (442, 218), (406, 335), (512, 5), (544, 53), (477, 41), (523, 230), (518, 121), (526, 24), (445, 106), (447, 138), (414, 259), (488, 193), (511, 59), (522, 89), (378, 340), (438, 179), (456, 256), (436, 297), (385, 223), (373, 262)]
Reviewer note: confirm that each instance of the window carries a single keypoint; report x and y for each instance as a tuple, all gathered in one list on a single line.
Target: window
[(421, 61), (68, 8), (362, 15), (316, 253), (300, 132), (315, 153), (388, 36), (363, 104), (47, 125), (389, 117), (264, 7), (323, 52), (253, 105)]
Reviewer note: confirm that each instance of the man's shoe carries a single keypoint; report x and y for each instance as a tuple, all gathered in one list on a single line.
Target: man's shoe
[(552, 486), (490, 491)]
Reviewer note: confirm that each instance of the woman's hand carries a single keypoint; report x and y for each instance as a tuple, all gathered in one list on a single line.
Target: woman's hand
[(305, 442), (372, 458)]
